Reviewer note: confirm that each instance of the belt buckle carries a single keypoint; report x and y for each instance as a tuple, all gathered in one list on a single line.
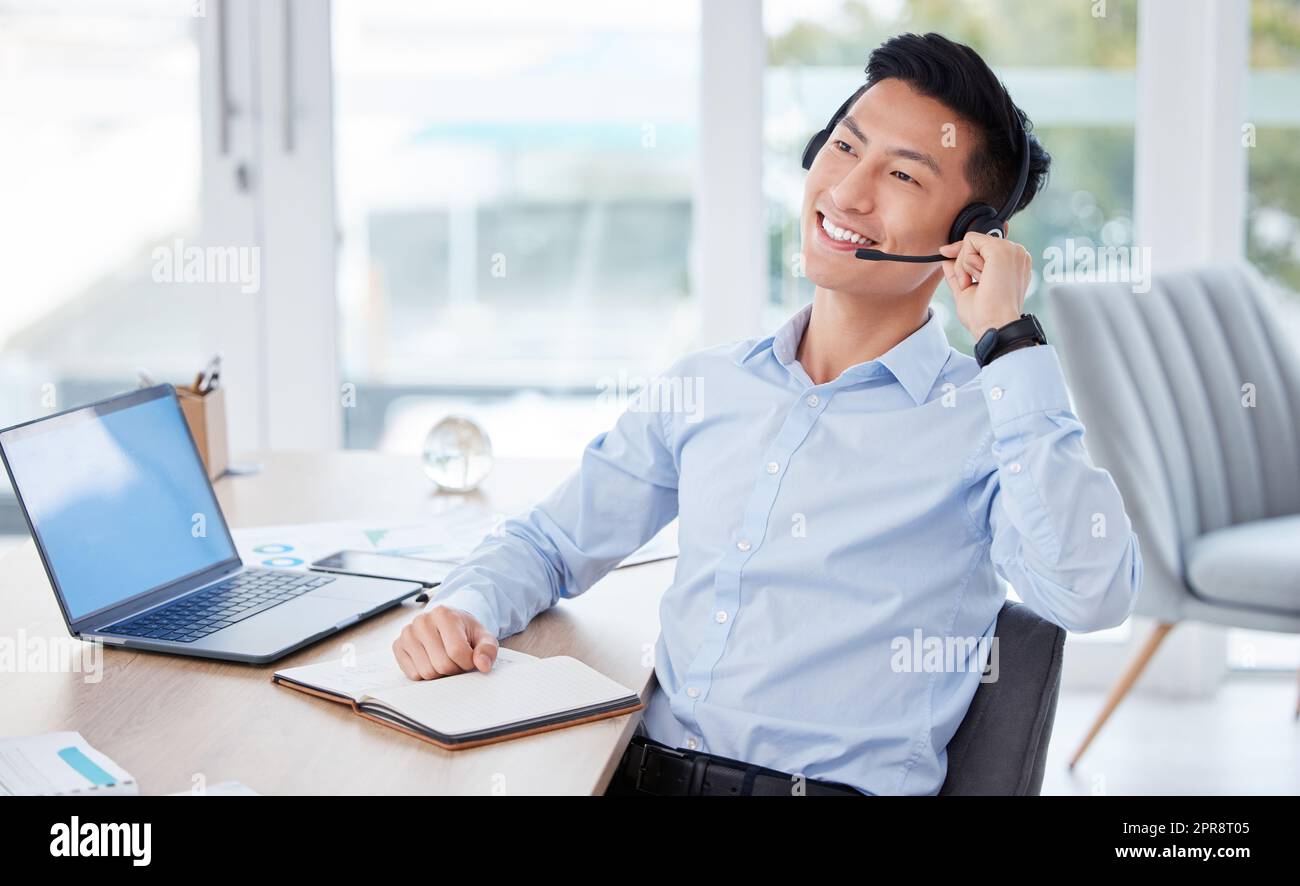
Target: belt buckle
[(645, 759)]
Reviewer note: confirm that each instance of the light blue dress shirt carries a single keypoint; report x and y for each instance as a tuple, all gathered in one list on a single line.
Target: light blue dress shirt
[(840, 546)]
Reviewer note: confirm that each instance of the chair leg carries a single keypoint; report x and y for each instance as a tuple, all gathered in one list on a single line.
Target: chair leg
[(1125, 683)]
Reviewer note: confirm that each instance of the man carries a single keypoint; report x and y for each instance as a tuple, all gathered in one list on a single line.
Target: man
[(850, 489)]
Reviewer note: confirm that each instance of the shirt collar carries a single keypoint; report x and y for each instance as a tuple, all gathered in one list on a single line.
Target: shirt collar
[(915, 362)]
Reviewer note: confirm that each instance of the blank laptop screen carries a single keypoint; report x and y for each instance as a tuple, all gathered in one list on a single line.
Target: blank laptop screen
[(119, 500)]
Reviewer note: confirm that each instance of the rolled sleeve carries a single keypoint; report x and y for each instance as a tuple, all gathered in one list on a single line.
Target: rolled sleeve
[(1059, 532)]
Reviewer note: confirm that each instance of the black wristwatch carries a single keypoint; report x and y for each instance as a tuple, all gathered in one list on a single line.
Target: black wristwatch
[(1016, 334)]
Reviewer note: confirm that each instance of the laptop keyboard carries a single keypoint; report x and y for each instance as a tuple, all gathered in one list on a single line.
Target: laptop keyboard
[(221, 605)]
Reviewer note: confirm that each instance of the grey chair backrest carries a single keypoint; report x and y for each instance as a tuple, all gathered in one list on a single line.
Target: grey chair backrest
[(1159, 379), (1001, 746)]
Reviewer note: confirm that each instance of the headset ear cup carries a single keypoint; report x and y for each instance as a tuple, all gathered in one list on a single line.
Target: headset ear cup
[(814, 147), (978, 217)]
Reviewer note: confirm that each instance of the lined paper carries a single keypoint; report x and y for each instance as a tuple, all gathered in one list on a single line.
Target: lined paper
[(476, 701), (376, 671)]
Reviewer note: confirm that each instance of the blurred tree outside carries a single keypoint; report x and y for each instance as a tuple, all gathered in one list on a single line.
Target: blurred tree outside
[(1273, 203)]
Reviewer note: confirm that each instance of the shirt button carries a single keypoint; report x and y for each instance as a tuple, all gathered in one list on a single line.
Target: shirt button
[(693, 692), (813, 400), (742, 545), (995, 393), (773, 467), (720, 617), (1015, 467), (692, 743)]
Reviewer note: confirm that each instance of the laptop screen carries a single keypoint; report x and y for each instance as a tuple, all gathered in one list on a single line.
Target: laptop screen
[(117, 498)]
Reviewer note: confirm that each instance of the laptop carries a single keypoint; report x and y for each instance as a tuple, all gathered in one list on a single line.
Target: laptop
[(138, 552)]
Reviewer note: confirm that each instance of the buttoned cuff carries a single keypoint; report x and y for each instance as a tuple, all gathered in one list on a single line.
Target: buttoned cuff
[(467, 600), (1024, 382)]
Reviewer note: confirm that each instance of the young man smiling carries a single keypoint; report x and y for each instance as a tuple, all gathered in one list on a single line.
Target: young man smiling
[(848, 487)]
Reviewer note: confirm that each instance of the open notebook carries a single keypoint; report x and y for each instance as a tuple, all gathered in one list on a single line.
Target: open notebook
[(521, 695)]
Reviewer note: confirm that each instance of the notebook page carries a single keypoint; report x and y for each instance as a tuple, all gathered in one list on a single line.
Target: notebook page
[(473, 702), (371, 672)]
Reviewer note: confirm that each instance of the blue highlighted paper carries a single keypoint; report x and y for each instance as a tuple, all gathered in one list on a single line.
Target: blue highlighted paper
[(86, 766)]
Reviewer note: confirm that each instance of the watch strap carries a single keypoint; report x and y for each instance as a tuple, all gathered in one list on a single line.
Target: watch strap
[(1016, 334)]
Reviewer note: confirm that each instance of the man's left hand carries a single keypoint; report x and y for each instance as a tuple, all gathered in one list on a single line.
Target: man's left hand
[(989, 277)]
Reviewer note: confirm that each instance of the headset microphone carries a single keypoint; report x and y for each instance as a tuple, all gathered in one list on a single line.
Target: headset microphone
[(877, 255), (979, 217)]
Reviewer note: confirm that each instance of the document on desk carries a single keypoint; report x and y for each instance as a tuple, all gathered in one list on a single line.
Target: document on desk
[(521, 695), (448, 537), (58, 763)]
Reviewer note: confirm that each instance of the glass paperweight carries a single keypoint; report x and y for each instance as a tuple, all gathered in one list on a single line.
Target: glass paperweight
[(457, 454)]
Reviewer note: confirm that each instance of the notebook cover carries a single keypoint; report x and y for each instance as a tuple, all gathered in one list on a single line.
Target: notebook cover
[(548, 727)]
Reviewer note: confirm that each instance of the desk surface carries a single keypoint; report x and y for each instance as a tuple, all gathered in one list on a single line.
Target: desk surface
[(169, 720)]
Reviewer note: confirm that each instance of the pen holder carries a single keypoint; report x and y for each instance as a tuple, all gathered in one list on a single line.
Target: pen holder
[(206, 416)]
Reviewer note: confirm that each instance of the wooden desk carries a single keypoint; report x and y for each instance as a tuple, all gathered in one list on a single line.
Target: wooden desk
[(170, 719)]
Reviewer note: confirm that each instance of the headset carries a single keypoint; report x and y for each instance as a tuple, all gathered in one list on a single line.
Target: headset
[(979, 217)]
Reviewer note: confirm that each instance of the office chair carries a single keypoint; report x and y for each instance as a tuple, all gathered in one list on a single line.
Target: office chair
[(1000, 748), (1001, 745), (1191, 399)]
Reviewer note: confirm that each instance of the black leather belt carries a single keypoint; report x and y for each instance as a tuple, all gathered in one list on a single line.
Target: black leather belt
[(653, 768)]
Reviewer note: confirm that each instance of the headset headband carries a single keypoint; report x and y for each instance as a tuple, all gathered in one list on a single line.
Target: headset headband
[(1021, 180)]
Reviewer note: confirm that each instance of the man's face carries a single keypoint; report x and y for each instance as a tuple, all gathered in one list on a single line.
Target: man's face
[(892, 171)]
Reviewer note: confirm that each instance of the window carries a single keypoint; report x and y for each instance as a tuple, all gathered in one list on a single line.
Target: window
[(514, 193), (1270, 134), (1272, 221), (99, 166)]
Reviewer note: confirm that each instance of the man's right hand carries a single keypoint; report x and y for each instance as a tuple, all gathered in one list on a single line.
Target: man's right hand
[(442, 642)]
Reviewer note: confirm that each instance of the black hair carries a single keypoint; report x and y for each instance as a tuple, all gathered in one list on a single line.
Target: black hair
[(954, 74)]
